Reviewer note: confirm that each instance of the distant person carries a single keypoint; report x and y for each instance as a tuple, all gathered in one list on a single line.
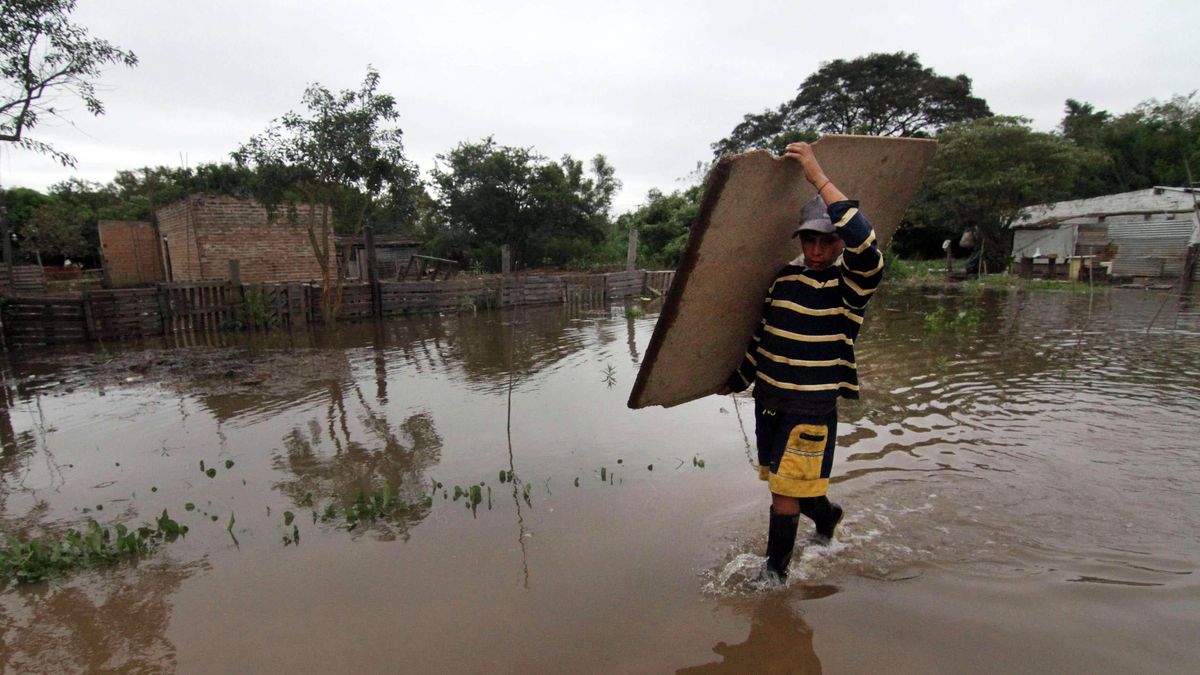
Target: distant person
[(801, 359)]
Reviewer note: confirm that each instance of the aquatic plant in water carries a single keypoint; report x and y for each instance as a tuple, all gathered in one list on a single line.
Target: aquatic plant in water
[(378, 504), (941, 321), (39, 558)]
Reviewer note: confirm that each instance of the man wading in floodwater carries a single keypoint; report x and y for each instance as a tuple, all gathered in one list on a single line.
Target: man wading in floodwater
[(801, 360)]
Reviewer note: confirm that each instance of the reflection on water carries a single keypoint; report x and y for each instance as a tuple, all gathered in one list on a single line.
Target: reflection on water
[(779, 642), (1030, 442), (111, 622)]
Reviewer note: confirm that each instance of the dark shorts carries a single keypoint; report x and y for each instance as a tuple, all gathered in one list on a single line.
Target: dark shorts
[(795, 452)]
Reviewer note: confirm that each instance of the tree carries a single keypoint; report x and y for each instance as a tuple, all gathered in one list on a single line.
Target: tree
[(60, 224), (1084, 126), (339, 159), (876, 95), (56, 233), (768, 130), (550, 213), (984, 173), (1082, 123), (1158, 143), (664, 223), (43, 56)]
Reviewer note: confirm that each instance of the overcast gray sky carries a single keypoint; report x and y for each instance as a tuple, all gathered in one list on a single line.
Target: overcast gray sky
[(648, 84)]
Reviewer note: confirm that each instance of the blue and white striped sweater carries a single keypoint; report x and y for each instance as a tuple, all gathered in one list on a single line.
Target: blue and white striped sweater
[(803, 349)]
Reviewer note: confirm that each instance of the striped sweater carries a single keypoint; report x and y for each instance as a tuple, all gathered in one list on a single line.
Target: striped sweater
[(803, 349)]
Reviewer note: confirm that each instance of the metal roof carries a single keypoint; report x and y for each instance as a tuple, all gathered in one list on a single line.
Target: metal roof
[(1149, 200)]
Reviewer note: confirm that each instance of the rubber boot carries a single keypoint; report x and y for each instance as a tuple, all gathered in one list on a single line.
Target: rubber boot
[(825, 516), (781, 539)]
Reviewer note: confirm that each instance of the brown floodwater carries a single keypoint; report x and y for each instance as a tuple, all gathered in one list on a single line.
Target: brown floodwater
[(1021, 481)]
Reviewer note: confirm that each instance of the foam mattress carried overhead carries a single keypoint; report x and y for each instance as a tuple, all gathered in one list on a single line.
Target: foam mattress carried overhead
[(743, 236)]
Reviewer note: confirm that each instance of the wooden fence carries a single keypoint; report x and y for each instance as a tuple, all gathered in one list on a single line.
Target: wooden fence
[(23, 279), (209, 306), (31, 321)]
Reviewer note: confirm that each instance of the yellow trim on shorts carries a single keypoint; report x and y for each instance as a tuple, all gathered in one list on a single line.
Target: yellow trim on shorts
[(796, 487)]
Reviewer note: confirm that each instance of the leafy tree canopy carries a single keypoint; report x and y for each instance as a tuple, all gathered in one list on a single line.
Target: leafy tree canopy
[(550, 213), (1157, 143), (664, 223), (44, 57), (343, 155), (876, 95), (984, 173)]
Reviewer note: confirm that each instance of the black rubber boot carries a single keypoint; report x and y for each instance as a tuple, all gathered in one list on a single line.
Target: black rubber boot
[(781, 539), (827, 526), (825, 515)]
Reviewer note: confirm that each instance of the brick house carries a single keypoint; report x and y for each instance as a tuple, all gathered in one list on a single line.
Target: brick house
[(202, 233), (129, 254)]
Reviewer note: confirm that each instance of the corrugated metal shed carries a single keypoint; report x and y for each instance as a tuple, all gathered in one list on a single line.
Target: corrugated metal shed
[(1149, 230), (1150, 249)]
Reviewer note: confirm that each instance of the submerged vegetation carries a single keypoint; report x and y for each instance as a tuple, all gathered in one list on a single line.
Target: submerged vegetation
[(48, 556), (965, 320)]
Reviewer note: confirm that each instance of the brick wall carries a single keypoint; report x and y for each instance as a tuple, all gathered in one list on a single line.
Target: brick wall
[(129, 252), (179, 240), (205, 232)]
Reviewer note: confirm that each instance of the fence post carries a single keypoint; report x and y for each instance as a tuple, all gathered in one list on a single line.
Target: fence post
[(505, 259), (89, 317), (373, 271), (241, 313), (164, 306), (631, 254)]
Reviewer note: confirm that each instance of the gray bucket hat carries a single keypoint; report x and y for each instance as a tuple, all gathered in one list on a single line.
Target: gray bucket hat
[(814, 217)]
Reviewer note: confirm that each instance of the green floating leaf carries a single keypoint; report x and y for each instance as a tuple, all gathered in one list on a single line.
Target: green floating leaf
[(577, 481), (603, 473), (211, 473), (229, 464), (189, 507), (288, 517), (649, 467)]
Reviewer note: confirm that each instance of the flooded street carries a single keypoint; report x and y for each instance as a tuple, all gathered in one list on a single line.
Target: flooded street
[(1021, 481)]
